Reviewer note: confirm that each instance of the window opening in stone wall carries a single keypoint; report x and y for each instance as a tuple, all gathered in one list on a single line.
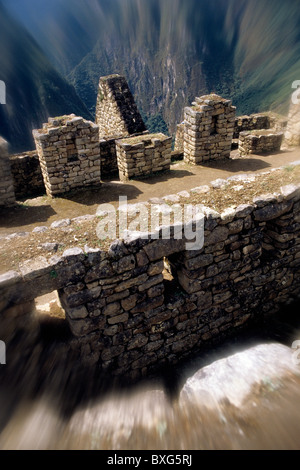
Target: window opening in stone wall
[(51, 318), (214, 121), (173, 289), (72, 153)]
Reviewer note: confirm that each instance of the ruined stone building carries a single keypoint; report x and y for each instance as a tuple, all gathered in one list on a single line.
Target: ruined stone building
[(208, 129), (69, 153)]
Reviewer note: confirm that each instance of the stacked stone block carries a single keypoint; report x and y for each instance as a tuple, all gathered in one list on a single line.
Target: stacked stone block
[(209, 126), (27, 174), (251, 123), (268, 120), (260, 142), (7, 194), (116, 111), (69, 152), (144, 155)]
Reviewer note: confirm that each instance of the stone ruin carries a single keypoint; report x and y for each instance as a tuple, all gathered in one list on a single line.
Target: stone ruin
[(267, 120), (143, 155), (74, 153), (208, 131), (116, 112), (259, 142), (7, 194), (27, 174), (243, 123), (117, 117), (69, 153)]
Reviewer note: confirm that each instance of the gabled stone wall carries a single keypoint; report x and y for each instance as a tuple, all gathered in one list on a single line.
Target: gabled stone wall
[(209, 126), (7, 194), (116, 111), (69, 153)]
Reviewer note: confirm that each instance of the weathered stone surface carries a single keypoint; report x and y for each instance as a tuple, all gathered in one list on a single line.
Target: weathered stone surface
[(235, 377), (272, 211), (199, 262), (163, 248), (218, 235), (41, 229), (118, 319), (61, 223), (112, 309), (78, 313), (137, 342)]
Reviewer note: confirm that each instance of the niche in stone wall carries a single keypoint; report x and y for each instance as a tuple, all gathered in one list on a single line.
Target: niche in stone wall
[(72, 152), (213, 129), (173, 288)]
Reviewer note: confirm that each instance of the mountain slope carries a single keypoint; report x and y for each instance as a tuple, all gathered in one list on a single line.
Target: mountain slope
[(173, 50), (35, 90)]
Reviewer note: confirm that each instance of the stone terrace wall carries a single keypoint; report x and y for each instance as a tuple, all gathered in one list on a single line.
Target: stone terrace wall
[(208, 132), (7, 194), (121, 312), (27, 174), (69, 153), (116, 111), (144, 155)]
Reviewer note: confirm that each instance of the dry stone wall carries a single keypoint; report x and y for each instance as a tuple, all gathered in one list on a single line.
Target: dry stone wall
[(7, 194), (208, 132), (69, 153), (27, 174), (260, 142), (116, 111), (259, 121), (124, 315), (143, 155)]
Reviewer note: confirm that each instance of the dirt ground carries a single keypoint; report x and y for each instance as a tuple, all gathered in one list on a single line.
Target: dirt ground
[(43, 210)]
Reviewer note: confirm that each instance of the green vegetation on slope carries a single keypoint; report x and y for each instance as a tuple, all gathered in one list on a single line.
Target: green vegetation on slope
[(173, 50), (35, 90)]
